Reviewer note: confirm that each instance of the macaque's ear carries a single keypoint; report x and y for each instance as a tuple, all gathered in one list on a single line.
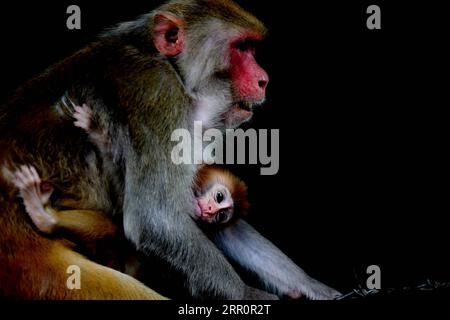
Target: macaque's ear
[(168, 34)]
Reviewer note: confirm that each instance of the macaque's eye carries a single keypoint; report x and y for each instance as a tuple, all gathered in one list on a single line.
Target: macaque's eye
[(222, 216), (246, 45), (220, 197)]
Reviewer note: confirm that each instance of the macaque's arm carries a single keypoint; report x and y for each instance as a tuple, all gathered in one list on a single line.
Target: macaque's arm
[(87, 225), (246, 247)]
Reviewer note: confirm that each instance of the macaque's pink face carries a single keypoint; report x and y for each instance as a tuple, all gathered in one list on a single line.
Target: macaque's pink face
[(249, 79), (215, 205)]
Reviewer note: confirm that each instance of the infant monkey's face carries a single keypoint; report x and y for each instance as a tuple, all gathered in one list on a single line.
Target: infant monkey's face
[(214, 204)]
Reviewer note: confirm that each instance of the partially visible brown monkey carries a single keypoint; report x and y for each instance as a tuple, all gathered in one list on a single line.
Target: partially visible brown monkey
[(188, 60), (88, 225)]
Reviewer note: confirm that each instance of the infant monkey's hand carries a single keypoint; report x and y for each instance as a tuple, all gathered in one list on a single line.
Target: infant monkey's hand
[(83, 117), (35, 195)]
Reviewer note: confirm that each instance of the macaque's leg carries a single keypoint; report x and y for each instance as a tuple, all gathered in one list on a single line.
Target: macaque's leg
[(52, 269), (102, 283)]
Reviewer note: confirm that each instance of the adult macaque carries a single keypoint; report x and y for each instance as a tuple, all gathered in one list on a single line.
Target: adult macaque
[(186, 61)]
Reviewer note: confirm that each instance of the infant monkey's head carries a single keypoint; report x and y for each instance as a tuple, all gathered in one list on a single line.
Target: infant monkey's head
[(220, 196)]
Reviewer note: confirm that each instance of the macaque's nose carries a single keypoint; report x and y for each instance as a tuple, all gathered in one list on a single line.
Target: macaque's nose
[(263, 81), (263, 84)]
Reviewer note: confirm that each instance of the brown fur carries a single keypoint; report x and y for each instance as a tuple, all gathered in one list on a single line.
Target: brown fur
[(24, 275)]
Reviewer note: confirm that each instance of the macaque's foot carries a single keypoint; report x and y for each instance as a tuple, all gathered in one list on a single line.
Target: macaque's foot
[(35, 195), (83, 117)]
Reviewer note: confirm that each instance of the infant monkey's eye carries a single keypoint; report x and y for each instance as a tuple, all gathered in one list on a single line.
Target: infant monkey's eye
[(220, 197)]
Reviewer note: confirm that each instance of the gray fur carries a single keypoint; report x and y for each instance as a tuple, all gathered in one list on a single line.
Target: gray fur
[(279, 274), (158, 193)]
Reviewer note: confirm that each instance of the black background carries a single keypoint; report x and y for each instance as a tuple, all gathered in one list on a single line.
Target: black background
[(364, 170)]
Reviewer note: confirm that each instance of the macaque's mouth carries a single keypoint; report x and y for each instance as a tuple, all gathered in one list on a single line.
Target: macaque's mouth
[(246, 106)]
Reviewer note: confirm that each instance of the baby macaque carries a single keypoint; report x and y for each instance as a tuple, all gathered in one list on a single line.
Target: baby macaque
[(220, 196)]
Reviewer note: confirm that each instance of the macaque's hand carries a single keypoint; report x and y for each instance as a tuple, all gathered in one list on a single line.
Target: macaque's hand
[(83, 117), (35, 195), (314, 290)]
